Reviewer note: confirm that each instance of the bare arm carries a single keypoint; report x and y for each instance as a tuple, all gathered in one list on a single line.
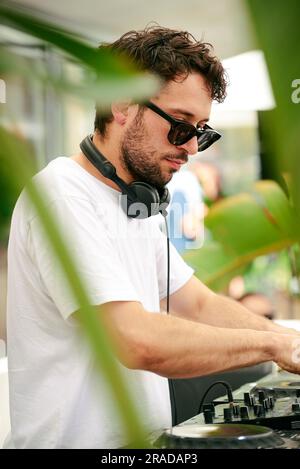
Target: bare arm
[(224, 312), (196, 302), (179, 348)]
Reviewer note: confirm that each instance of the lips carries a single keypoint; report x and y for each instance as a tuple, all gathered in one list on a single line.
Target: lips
[(176, 164)]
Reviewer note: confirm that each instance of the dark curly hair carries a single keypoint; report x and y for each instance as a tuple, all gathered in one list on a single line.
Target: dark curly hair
[(170, 54)]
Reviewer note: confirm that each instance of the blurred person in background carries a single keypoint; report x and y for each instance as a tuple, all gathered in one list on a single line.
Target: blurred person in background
[(185, 214)]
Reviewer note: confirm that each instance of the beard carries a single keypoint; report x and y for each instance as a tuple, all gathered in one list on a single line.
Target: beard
[(142, 162)]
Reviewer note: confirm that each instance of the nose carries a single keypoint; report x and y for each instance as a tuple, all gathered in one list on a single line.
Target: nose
[(191, 146)]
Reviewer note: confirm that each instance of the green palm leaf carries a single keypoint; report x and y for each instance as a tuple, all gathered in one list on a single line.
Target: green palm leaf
[(244, 227)]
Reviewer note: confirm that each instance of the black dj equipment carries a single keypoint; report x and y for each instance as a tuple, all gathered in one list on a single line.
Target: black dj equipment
[(262, 409), (266, 415), (279, 387), (225, 436)]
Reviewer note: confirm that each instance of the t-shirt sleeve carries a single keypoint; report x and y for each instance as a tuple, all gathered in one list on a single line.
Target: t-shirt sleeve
[(91, 247), (180, 271)]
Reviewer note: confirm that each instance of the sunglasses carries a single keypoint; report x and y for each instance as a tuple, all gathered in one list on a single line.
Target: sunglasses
[(181, 131)]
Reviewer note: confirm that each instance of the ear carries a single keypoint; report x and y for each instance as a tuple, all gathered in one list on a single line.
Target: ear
[(119, 111)]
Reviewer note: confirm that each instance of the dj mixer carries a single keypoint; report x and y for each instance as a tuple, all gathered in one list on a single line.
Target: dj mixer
[(265, 414)]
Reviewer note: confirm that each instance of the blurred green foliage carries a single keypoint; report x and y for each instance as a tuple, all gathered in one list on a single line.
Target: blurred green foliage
[(276, 25), (243, 227)]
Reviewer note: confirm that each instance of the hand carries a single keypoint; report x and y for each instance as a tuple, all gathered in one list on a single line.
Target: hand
[(287, 352)]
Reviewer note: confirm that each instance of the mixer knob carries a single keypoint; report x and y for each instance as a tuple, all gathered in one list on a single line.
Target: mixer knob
[(227, 414), (247, 398), (297, 392), (244, 413), (296, 407), (208, 416), (236, 410), (271, 402), (266, 404), (259, 410), (261, 396), (210, 407)]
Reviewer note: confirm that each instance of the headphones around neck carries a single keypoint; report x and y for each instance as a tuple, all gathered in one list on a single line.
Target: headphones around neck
[(141, 199)]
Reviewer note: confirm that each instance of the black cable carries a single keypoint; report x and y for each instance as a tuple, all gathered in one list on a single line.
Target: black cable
[(171, 382), (228, 389), (168, 264)]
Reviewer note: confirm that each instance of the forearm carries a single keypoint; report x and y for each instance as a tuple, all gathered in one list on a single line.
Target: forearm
[(221, 311), (178, 348)]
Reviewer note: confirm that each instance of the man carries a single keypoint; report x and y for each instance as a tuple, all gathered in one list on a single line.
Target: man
[(56, 401)]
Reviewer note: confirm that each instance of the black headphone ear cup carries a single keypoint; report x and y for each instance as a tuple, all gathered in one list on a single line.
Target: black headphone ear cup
[(142, 200), (147, 200), (164, 201), (165, 197)]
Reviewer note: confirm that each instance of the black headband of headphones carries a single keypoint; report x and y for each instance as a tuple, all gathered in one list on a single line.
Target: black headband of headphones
[(105, 167), (138, 193)]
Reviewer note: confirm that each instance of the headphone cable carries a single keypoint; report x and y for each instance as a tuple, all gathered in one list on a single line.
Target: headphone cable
[(171, 382), (168, 264)]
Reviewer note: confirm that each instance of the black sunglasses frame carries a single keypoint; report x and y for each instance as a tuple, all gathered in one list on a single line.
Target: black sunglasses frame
[(206, 136)]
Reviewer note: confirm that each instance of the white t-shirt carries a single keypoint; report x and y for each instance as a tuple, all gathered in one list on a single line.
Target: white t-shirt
[(56, 398)]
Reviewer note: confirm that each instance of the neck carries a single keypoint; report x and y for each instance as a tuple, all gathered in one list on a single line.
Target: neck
[(111, 153)]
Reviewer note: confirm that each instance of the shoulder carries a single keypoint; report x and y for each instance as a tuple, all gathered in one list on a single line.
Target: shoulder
[(61, 182), (62, 176)]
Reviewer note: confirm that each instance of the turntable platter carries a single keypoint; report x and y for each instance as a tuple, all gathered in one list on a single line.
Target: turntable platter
[(219, 436)]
